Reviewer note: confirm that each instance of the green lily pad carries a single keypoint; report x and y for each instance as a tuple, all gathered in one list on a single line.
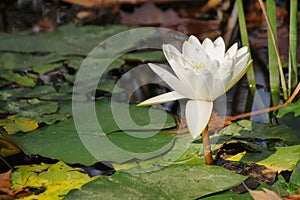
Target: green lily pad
[(41, 92), (82, 40), (61, 140), (228, 195), (285, 158), (249, 129), (16, 60), (290, 108), (174, 182), (295, 177), (33, 111), (150, 56), (10, 76)]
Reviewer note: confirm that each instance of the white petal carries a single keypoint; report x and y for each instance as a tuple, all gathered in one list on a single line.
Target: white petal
[(182, 67), (239, 71), (226, 69), (242, 51), (231, 52), (203, 83), (208, 45), (193, 51), (175, 59), (219, 50), (194, 41), (172, 81), (170, 96), (197, 116)]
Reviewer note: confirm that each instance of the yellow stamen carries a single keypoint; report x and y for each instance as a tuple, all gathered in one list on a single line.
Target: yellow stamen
[(198, 66)]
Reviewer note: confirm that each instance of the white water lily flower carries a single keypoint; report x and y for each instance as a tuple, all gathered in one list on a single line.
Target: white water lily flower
[(203, 72)]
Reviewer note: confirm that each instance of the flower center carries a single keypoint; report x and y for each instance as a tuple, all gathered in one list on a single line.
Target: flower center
[(198, 66)]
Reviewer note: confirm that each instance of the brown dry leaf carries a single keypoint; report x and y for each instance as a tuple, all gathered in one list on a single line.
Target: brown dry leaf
[(218, 122), (292, 197), (256, 20), (215, 123), (150, 15), (104, 3), (5, 183), (264, 195), (210, 5), (43, 25), (5, 188)]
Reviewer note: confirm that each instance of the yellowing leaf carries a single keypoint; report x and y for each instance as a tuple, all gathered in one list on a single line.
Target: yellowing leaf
[(236, 157), (285, 158), (57, 179), (14, 124), (8, 148)]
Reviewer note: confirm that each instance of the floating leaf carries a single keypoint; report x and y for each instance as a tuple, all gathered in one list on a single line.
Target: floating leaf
[(62, 141), (9, 75), (174, 182), (53, 180), (290, 108), (150, 56), (14, 124), (35, 110), (82, 40), (248, 129), (285, 158), (295, 177), (41, 92), (7, 148)]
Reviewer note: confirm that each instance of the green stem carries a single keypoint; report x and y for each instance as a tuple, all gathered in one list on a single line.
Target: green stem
[(245, 42), (273, 64), (273, 47), (293, 71)]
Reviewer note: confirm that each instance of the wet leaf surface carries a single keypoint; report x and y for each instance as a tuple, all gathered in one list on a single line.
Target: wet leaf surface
[(167, 183), (64, 147)]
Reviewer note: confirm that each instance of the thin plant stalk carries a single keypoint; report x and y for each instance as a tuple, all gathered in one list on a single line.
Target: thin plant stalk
[(245, 42), (231, 24), (206, 147), (273, 108), (273, 64), (293, 71), (274, 83)]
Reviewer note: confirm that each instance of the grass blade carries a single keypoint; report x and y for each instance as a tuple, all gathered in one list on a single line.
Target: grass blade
[(274, 69), (293, 71), (245, 42)]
